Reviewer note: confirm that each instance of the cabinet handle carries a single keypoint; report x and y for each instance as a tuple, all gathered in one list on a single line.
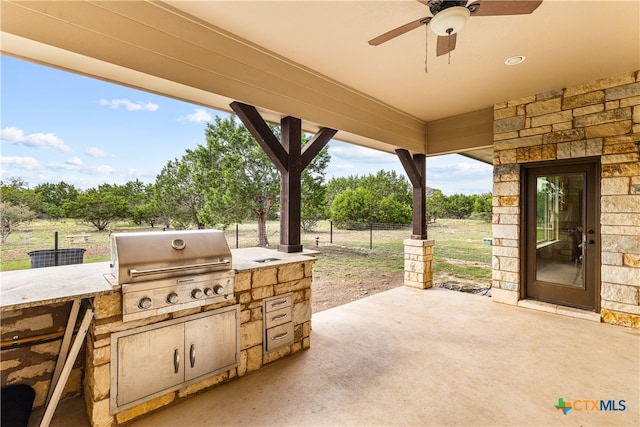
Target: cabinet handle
[(279, 317), (279, 303), (176, 360), (192, 355), (280, 336)]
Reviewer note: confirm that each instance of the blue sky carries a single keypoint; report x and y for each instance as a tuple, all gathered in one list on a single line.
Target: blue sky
[(58, 126)]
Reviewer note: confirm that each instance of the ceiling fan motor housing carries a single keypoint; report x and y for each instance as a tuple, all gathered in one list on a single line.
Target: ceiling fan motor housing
[(436, 6)]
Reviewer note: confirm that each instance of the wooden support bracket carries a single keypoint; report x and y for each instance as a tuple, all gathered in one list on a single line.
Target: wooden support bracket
[(416, 169)]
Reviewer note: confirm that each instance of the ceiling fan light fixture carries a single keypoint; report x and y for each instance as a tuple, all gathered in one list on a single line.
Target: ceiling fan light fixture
[(449, 21)]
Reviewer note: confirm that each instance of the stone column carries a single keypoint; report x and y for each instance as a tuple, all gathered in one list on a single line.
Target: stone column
[(418, 263)]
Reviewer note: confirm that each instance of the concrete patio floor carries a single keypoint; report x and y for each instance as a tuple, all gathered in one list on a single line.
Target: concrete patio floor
[(408, 357)]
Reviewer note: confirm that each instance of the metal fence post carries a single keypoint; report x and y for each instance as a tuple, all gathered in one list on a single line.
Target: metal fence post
[(331, 232)]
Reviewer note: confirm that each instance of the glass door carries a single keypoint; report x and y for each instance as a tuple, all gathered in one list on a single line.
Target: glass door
[(561, 238)]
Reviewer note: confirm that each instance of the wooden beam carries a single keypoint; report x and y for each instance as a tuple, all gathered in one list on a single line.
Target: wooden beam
[(317, 143), (416, 169), (262, 133), (409, 167), (464, 132)]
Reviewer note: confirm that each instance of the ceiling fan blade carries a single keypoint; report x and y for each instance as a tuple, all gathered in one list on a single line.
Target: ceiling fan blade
[(505, 7), (399, 31), (446, 44)]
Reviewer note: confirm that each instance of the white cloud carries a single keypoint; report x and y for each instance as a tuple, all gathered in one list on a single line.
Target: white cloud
[(87, 170), (358, 154), (74, 161), (95, 152), (129, 105), (102, 169), (339, 169), (27, 163), (14, 135), (199, 116)]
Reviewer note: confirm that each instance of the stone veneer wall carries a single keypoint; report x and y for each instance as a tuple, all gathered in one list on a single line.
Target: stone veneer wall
[(599, 118), (33, 364), (251, 287)]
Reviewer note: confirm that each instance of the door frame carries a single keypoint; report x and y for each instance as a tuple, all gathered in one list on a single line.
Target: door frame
[(525, 262)]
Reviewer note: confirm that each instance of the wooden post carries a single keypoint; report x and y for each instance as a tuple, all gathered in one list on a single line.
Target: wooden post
[(287, 155), (290, 186)]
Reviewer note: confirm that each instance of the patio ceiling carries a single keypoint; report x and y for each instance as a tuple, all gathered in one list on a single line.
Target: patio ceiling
[(311, 59)]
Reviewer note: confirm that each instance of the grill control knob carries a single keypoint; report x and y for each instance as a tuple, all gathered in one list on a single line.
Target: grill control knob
[(145, 303), (208, 292), (172, 298), (196, 294), (218, 289)]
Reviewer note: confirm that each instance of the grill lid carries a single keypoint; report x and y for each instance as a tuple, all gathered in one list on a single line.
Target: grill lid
[(143, 256)]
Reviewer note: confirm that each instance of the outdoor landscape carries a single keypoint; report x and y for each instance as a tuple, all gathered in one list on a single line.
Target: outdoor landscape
[(357, 223), (352, 264)]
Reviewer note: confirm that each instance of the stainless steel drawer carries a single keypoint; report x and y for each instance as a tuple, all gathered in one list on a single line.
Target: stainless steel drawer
[(278, 317), (279, 336), (277, 303)]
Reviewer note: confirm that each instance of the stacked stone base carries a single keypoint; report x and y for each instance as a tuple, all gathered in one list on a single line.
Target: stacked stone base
[(418, 263)]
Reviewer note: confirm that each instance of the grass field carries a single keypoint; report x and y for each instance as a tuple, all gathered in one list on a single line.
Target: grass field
[(459, 250)]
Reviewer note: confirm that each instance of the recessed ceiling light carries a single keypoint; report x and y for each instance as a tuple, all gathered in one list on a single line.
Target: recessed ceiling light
[(515, 60)]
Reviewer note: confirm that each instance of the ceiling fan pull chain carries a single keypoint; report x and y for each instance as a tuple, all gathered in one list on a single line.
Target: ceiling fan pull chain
[(426, 49), (449, 32)]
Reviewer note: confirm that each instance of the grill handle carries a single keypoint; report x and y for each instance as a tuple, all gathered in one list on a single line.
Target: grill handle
[(180, 268)]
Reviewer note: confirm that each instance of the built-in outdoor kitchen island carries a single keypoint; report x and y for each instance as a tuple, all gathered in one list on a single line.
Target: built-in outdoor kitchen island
[(159, 334)]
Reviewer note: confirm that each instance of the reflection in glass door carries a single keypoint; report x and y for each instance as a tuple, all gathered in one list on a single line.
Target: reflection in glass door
[(561, 238), (560, 227)]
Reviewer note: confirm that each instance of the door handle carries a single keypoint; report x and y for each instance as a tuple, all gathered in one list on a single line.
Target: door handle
[(192, 355), (176, 360)]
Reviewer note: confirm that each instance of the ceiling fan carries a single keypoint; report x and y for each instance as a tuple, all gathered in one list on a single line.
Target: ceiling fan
[(449, 16)]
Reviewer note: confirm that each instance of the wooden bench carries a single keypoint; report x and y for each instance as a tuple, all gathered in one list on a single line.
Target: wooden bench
[(78, 238)]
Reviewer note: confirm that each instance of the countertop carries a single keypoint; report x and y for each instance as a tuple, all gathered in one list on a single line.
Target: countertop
[(256, 258), (48, 285)]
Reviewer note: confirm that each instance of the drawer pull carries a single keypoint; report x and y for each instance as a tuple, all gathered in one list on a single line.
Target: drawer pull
[(279, 317), (176, 360), (192, 355), (280, 336), (279, 303)]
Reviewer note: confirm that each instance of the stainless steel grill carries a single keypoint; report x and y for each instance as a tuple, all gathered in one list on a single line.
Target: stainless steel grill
[(162, 272)]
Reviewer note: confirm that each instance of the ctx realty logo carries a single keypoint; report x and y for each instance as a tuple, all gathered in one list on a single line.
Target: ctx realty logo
[(590, 405)]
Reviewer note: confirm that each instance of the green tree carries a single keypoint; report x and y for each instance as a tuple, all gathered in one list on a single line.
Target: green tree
[(436, 204), (385, 197), (54, 196), (147, 211), (177, 198), (236, 177), (239, 181), (482, 206), (17, 192), (11, 216), (99, 207), (459, 206), (314, 191), (352, 208)]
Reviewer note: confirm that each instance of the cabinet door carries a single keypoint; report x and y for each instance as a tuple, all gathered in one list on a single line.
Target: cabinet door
[(211, 344), (149, 362)]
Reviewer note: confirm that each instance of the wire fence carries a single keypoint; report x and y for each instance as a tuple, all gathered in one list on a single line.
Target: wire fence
[(462, 248)]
